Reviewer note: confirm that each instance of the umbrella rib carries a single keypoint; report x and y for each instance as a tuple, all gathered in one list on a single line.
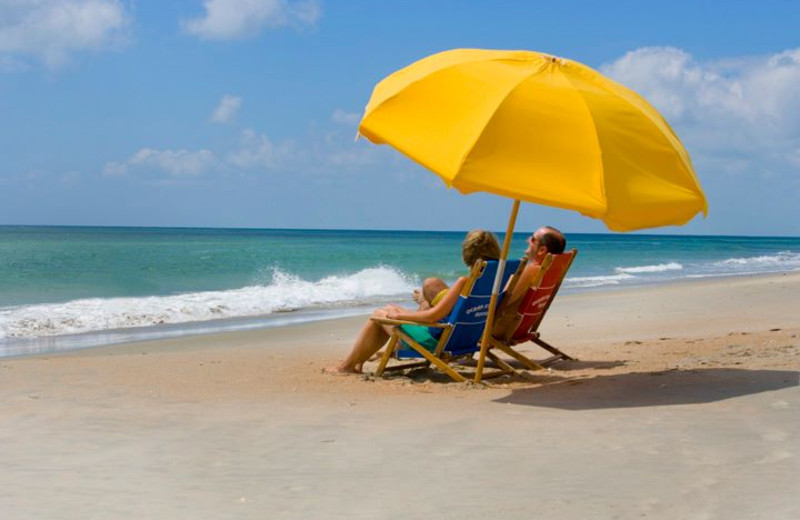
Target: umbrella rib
[(485, 126), (371, 135), (601, 167), (623, 94), (668, 135), (388, 97)]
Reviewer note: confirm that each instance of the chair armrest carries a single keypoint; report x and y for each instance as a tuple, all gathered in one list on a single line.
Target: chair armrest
[(387, 321)]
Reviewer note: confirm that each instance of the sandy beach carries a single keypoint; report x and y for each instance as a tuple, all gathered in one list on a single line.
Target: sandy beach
[(684, 403)]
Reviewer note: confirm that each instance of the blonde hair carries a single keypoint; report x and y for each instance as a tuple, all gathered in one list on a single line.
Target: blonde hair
[(479, 245)]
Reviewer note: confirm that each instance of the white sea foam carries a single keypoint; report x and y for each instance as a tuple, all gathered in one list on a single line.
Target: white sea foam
[(785, 260), (659, 268), (596, 281), (285, 292)]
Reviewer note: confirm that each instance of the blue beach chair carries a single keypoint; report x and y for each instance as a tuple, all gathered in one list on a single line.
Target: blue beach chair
[(460, 333)]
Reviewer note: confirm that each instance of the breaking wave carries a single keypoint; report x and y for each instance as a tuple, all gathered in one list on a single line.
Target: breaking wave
[(580, 282), (785, 260), (285, 292), (659, 268)]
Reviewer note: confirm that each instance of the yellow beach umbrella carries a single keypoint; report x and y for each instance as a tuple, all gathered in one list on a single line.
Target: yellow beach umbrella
[(537, 128)]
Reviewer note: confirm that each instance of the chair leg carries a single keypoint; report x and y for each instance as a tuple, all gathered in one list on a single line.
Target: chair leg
[(386, 355), (504, 367), (557, 353), (430, 358), (529, 364), (406, 366), (441, 365)]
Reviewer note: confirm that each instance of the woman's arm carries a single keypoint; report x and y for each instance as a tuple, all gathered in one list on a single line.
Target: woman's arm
[(438, 311)]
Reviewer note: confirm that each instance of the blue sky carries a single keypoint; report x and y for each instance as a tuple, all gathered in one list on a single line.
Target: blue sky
[(242, 113)]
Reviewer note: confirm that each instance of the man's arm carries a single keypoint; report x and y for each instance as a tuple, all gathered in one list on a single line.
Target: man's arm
[(523, 284)]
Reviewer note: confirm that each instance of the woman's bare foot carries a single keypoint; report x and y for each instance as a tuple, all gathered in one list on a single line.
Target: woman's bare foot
[(341, 370)]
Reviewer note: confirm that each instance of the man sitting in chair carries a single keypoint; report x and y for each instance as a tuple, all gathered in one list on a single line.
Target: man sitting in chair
[(545, 240)]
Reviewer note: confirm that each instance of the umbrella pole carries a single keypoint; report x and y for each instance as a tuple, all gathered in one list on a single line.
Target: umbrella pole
[(487, 331)]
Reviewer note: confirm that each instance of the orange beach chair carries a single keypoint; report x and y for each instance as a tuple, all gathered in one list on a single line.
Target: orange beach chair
[(520, 324)]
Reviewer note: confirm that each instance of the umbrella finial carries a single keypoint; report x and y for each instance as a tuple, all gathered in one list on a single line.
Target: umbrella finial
[(554, 59)]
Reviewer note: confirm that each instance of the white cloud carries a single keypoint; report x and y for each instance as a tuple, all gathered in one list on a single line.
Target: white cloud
[(761, 92), (738, 114), (352, 157), (51, 30), (175, 163), (115, 169), (258, 151), (317, 154), (237, 19), (227, 109), (343, 117)]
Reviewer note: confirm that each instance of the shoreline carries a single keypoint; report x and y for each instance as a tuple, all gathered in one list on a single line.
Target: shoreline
[(110, 338)]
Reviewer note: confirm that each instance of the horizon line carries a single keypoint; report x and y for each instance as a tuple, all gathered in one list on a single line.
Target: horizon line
[(644, 232)]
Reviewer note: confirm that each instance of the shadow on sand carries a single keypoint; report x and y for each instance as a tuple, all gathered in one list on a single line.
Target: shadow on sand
[(672, 387), (466, 368)]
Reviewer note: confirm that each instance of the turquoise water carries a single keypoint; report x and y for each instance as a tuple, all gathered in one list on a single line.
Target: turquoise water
[(66, 287)]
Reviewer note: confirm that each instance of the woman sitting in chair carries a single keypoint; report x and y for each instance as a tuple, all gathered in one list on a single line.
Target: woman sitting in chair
[(436, 300)]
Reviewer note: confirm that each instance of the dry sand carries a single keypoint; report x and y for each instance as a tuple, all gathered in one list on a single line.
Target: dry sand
[(684, 404)]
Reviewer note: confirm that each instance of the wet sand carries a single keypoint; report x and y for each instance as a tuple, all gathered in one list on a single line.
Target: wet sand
[(684, 404)]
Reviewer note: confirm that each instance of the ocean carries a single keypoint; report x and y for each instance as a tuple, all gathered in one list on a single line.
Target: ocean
[(74, 287)]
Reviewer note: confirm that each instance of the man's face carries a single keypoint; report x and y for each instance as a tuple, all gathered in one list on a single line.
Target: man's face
[(535, 249)]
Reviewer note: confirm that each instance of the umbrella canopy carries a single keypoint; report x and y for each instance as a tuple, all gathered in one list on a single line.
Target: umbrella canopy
[(541, 129)]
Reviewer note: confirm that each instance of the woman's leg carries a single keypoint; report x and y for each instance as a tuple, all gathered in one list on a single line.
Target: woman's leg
[(369, 341), (430, 288)]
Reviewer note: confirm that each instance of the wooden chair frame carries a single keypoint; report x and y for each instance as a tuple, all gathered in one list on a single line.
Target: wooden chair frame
[(438, 358)]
